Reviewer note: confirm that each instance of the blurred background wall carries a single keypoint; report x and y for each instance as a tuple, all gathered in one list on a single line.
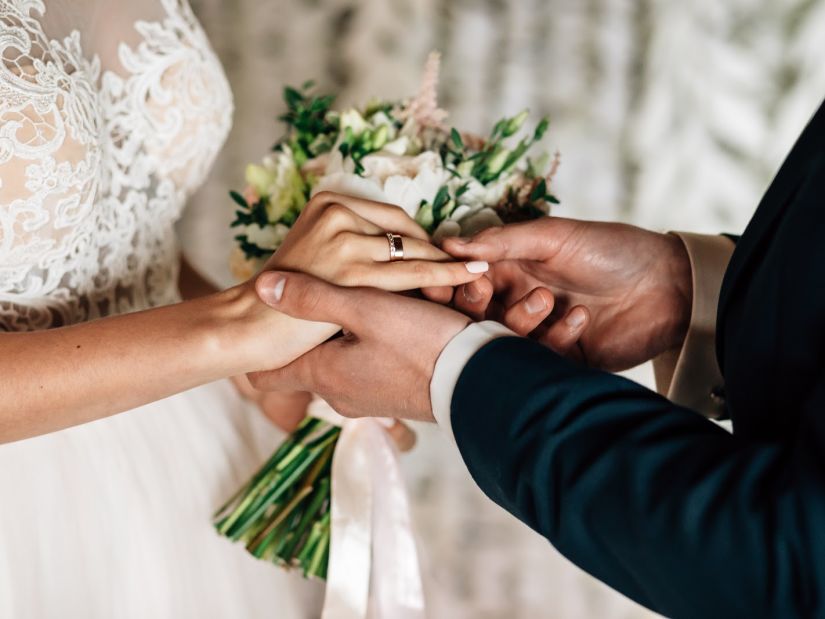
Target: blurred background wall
[(671, 115)]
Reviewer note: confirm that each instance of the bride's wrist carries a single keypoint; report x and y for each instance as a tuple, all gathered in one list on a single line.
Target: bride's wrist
[(255, 337), (227, 327)]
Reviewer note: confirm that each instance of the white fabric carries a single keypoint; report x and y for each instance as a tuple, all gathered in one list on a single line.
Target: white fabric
[(111, 520), (111, 112), (374, 568), (456, 354)]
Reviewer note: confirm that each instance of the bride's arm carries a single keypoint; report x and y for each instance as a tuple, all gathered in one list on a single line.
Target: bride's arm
[(62, 377), (71, 375)]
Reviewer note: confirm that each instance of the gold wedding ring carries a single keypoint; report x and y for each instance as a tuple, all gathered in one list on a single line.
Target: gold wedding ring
[(396, 246)]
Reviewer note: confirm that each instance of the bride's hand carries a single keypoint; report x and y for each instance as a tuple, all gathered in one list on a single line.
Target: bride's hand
[(286, 409), (343, 240)]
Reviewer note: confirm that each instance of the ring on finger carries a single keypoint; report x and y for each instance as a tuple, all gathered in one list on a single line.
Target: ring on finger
[(396, 246)]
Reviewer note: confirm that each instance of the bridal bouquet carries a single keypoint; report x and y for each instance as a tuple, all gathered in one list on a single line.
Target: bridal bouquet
[(451, 182)]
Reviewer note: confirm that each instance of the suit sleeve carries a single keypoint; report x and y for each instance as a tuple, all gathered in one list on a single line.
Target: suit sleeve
[(690, 375), (650, 497)]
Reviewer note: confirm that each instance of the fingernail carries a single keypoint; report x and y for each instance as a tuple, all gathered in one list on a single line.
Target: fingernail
[(535, 303), (575, 319), (477, 266), (471, 293), (270, 287), (387, 422)]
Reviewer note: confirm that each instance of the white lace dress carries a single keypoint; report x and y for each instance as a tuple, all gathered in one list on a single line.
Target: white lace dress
[(111, 113)]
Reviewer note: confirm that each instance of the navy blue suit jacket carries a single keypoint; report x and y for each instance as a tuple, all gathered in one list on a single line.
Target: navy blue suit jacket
[(651, 498)]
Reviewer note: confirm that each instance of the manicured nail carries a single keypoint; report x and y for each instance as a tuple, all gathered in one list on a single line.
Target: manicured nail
[(535, 303), (271, 287), (477, 266), (575, 319), (471, 293)]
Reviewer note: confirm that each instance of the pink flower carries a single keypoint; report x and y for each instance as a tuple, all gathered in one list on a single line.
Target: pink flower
[(250, 195)]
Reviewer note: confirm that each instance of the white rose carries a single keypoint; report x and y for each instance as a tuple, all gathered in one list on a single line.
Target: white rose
[(350, 184), (478, 195), (352, 119), (400, 146), (470, 221), (404, 181)]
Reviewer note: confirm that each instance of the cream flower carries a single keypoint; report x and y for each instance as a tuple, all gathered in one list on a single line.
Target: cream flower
[(268, 237), (404, 181), (279, 179)]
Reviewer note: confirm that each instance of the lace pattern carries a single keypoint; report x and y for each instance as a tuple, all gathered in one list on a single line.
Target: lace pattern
[(95, 166)]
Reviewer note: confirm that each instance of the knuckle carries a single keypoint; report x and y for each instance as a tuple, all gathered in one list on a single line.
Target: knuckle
[(344, 243), (420, 269), (321, 198), (307, 298), (334, 250), (336, 216)]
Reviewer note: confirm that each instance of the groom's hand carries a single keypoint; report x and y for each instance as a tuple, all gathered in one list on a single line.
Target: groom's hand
[(623, 292), (382, 366)]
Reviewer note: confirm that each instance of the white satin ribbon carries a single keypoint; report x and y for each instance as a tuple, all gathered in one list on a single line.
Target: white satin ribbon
[(373, 565)]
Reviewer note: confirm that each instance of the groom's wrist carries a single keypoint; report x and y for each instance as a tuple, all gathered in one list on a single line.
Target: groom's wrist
[(678, 274), (451, 362), (689, 374)]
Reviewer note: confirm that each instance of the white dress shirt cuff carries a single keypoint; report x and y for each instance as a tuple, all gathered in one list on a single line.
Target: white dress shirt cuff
[(450, 363)]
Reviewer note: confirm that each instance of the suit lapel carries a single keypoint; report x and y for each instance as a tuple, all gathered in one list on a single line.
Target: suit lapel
[(757, 235)]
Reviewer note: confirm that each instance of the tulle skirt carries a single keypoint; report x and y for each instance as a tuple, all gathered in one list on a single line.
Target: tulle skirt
[(113, 519)]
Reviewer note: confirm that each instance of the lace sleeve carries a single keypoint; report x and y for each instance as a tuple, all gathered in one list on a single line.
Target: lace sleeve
[(48, 163)]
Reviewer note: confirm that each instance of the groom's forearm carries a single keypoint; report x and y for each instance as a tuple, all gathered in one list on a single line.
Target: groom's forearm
[(649, 497)]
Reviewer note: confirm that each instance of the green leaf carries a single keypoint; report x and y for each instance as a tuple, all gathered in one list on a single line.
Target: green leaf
[(424, 216), (514, 124), (539, 191), (250, 249), (462, 190), (308, 85), (239, 199), (441, 198), (242, 218), (497, 162), (381, 137), (497, 129), (455, 136), (541, 129), (289, 218), (292, 97), (259, 214)]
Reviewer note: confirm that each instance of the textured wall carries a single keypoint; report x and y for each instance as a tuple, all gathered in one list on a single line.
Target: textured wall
[(668, 114)]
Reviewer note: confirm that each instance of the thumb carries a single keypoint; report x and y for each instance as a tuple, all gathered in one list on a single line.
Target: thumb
[(306, 297), (521, 241)]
